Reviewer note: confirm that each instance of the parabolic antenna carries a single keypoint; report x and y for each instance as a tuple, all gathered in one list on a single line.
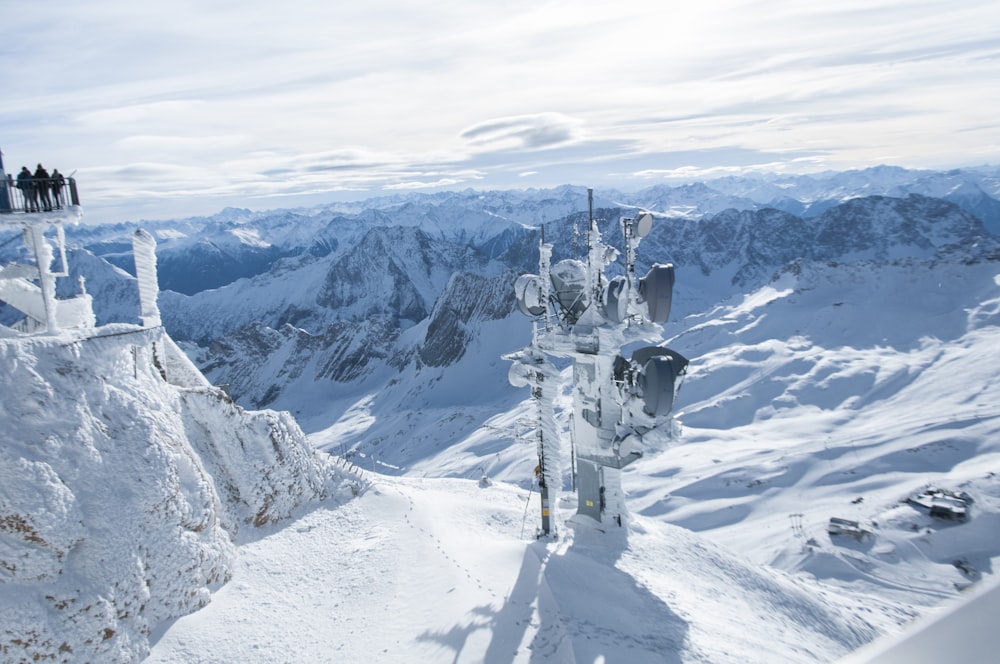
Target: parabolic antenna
[(657, 290), (642, 355), (528, 291), (658, 378), (616, 300), (569, 280), (643, 224)]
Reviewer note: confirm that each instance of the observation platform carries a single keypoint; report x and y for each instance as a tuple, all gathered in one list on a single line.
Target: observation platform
[(46, 200), (36, 206)]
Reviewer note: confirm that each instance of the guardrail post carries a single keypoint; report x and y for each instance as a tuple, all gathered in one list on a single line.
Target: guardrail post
[(5, 205)]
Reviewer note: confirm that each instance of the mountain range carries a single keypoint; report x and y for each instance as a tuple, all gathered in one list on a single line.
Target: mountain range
[(841, 329)]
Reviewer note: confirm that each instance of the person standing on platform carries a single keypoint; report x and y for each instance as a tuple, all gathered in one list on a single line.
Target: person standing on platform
[(42, 185), (26, 184), (58, 182)]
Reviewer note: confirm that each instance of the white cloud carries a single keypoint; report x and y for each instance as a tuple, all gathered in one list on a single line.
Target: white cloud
[(530, 132), (253, 98)]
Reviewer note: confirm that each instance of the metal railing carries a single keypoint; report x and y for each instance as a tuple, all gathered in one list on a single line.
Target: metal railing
[(37, 194)]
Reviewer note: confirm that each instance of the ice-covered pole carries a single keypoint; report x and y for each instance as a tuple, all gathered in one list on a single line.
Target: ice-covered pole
[(545, 389), (144, 252), (531, 369), (46, 280), (545, 282)]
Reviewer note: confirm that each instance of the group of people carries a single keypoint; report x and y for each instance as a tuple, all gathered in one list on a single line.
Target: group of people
[(41, 190)]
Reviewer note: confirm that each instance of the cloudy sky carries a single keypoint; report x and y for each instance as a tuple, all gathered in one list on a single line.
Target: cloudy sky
[(187, 106)]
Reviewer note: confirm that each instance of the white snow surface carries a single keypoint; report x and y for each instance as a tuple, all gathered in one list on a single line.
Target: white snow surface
[(133, 494), (442, 571), (835, 391)]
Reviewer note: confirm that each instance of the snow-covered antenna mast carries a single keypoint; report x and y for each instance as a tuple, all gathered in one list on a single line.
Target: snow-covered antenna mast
[(616, 401)]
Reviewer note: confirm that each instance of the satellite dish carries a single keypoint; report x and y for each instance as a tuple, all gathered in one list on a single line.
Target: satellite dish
[(658, 378), (569, 280), (528, 291), (657, 385), (657, 290), (642, 355), (644, 224), (616, 300)]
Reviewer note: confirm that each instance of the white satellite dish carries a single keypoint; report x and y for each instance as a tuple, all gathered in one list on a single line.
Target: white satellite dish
[(528, 291), (615, 300), (569, 283), (644, 224)]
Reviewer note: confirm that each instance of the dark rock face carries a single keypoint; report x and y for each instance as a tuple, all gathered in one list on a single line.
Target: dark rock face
[(349, 349), (389, 271), (757, 242), (468, 299)]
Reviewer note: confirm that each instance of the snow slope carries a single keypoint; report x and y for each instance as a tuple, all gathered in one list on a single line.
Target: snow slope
[(835, 391), (962, 629), (443, 571), (838, 389)]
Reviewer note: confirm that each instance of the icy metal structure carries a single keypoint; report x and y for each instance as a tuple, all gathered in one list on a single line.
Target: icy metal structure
[(31, 289), (38, 301), (622, 386)]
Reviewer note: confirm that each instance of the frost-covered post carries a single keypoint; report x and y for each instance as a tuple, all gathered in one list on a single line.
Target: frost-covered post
[(144, 251), (46, 280), (532, 369)]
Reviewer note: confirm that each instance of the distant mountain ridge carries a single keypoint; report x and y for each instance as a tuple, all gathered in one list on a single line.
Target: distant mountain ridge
[(383, 304), (196, 254), (348, 292)]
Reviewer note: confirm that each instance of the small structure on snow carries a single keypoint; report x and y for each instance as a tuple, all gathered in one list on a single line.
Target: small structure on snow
[(846, 528), (942, 503)]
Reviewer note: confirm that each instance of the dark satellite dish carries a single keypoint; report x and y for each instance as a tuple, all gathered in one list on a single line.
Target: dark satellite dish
[(616, 300), (643, 355), (528, 291), (569, 281), (658, 377), (657, 290), (643, 224)]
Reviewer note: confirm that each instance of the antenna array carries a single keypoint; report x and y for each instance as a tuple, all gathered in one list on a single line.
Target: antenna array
[(619, 396)]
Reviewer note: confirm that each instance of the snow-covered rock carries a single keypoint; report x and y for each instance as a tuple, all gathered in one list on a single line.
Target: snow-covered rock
[(125, 478)]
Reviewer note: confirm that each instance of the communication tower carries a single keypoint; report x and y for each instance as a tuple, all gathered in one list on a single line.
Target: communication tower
[(619, 395)]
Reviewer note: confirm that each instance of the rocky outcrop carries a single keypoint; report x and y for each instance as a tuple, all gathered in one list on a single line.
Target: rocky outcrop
[(394, 273), (124, 480), (753, 244), (469, 298)]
